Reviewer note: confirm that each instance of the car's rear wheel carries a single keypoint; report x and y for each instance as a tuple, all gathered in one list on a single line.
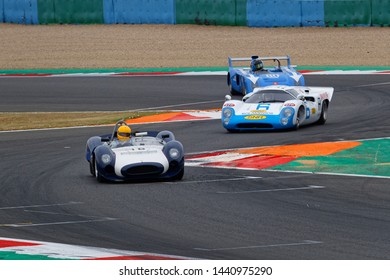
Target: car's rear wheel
[(324, 113)]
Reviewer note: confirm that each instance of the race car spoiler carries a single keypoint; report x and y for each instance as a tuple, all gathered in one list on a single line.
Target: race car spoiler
[(274, 58)]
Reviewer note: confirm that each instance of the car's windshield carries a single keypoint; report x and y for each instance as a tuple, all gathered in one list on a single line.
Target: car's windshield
[(267, 96)]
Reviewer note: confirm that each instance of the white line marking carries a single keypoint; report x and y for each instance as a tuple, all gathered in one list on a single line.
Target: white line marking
[(41, 205), (62, 214), (217, 180), (275, 190), (304, 242), (370, 85), (58, 223)]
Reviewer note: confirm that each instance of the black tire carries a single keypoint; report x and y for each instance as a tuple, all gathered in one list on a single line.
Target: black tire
[(244, 91), (231, 90), (243, 88), (99, 177), (324, 113), (300, 116), (92, 165), (178, 176)]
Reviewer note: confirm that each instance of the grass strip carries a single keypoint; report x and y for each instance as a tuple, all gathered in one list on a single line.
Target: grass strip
[(39, 120)]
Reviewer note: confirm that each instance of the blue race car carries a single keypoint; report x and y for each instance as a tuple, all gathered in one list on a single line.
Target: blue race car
[(242, 80), (277, 107), (146, 155)]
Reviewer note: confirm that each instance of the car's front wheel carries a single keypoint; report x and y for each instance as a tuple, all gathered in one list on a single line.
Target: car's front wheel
[(97, 174), (92, 165), (178, 176), (300, 117)]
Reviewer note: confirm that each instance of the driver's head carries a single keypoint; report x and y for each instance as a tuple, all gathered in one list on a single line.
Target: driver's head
[(257, 65), (123, 133)]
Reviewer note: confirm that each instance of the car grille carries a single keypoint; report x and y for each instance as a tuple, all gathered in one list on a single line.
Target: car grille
[(142, 169), (254, 125)]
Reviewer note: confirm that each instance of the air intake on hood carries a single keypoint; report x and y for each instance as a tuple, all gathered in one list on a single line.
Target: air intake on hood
[(142, 169)]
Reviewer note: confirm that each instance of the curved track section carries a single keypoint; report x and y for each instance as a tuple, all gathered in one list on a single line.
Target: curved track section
[(47, 193)]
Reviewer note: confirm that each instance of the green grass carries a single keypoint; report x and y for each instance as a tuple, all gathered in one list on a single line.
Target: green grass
[(33, 120)]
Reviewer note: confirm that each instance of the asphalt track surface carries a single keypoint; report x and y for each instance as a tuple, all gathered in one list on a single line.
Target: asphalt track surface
[(47, 193)]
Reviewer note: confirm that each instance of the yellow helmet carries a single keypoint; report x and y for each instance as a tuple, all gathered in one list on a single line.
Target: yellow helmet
[(123, 133)]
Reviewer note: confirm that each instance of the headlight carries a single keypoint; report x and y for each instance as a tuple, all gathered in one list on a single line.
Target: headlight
[(227, 113), (106, 158), (174, 153), (286, 115), (288, 112), (284, 121)]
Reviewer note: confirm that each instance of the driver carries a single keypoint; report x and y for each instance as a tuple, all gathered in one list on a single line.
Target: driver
[(123, 136), (257, 65)]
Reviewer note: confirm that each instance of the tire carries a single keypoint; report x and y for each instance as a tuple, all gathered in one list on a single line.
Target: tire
[(231, 90), (243, 90), (300, 116), (179, 176), (99, 177), (92, 165), (324, 113)]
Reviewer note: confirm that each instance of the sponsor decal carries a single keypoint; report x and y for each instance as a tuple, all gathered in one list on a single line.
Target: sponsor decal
[(289, 105), (229, 105), (307, 113), (255, 117), (324, 96), (313, 110), (258, 112)]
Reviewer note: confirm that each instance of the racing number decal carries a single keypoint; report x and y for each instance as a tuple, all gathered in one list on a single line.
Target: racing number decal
[(307, 113), (264, 106)]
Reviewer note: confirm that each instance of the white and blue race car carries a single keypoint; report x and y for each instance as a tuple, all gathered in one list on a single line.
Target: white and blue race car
[(147, 155), (242, 80), (277, 107)]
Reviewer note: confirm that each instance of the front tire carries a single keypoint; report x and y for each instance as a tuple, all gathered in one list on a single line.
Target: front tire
[(231, 90), (92, 165), (178, 176), (97, 174), (300, 116)]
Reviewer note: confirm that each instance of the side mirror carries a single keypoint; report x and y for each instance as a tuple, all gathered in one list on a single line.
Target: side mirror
[(301, 97), (228, 97)]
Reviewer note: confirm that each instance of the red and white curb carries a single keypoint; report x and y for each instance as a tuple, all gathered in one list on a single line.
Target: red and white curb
[(64, 251), (178, 116)]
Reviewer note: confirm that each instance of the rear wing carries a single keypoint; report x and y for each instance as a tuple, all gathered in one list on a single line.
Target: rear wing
[(270, 58)]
